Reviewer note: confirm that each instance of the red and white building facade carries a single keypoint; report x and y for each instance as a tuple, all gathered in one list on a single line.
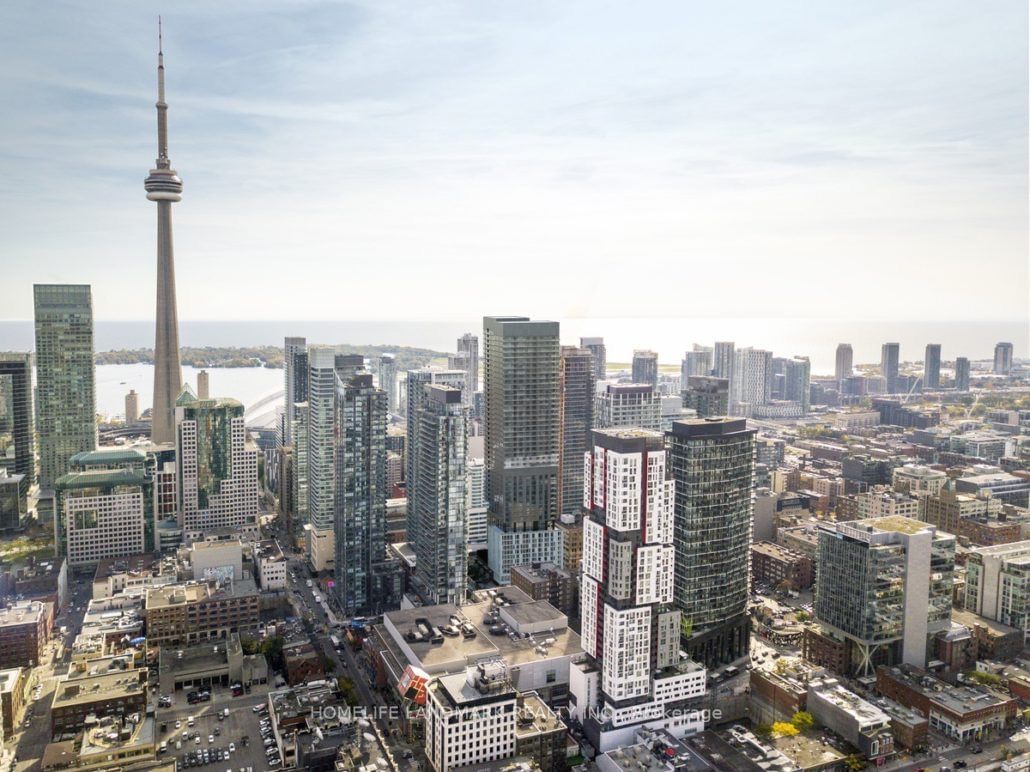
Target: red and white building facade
[(634, 675)]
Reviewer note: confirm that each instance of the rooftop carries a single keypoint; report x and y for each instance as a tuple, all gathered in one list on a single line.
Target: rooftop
[(27, 612), (476, 632), (99, 478), (106, 686)]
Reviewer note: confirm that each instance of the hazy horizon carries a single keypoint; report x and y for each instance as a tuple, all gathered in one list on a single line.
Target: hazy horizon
[(568, 160)]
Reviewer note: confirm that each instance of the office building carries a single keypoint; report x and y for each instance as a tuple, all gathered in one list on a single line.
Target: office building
[(360, 495), (522, 440), (439, 504), (797, 375), (468, 350), (883, 588), (844, 362), (633, 676), (629, 404), (1002, 358), (645, 367), (388, 380), (203, 385), (100, 514), (712, 463), (600, 353), (751, 384), (577, 386), (723, 359), (217, 466), (932, 366), (890, 354), (707, 395), (17, 454), (415, 395), (132, 407), (65, 384), (164, 187), (295, 381), (997, 587), (961, 374), (546, 581)]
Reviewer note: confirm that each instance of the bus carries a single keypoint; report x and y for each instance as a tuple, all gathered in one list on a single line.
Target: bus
[(335, 641)]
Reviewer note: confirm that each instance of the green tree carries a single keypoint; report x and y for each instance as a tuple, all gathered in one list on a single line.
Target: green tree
[(272, 648), (854, 763), (348, 691), (803, 720)]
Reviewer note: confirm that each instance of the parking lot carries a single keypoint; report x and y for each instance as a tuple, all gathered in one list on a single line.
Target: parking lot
[(238, 733)]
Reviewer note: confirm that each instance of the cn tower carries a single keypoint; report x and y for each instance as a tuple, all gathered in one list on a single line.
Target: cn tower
[(164, 186)]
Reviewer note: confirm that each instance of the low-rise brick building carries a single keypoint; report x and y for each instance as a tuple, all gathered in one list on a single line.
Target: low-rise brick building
[(776, 564), (25, 629)]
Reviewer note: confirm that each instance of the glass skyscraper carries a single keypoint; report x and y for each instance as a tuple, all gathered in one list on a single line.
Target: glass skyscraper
[(439, 502), (712, 462), (359, 515), (16, 431), (66, 414)]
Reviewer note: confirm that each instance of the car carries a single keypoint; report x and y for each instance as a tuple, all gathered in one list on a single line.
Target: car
[(178, 725), (210, 738), (232, 747), (196, 740), (257, 708)]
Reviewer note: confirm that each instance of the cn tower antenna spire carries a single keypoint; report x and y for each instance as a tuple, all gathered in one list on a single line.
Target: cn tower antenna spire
[(164, 187)]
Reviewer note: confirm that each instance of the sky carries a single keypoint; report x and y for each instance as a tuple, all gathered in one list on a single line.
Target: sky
[(432, 160)]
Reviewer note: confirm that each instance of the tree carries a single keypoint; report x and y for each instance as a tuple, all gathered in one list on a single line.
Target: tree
[(854, 763), (803, 720), (783, 729), (272, 648), (348, 691), (802, 616)]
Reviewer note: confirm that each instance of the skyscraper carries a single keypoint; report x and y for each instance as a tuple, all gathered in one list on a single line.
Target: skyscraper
[(712, 463), (797, 378), (752, 378), (845, 362), (415, 394), (66, 413), (359, 516), (203, 385), (164, 186), (131, 407), (468, 346), (522, 441), (217, 466), (16, 432), (962, 374), (723, 358), (597, 348), (388, 379), (932, 366), (577, 421), (695, 362), (1003, 358), (633, 676), (645, 367), (295, 381), (889, 357), (321, 458), (440, 501)]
